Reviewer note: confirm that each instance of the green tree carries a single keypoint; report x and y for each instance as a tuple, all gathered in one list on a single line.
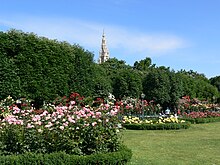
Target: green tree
[(156, 86), (164, 86), (101, 81), (176, 89), (216, 82), (143, 65), (127, 82), (197, 85), (188, 83), (113, 65)]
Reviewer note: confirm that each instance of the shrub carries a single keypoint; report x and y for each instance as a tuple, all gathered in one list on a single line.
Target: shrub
[(202, 117), (71, 129), (202, 120), (120, 157), (168, 126)]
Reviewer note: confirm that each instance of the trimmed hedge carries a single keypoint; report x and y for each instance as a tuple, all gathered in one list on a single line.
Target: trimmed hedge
[(120, 157), (167, 126), (202, 120), (42, 69)]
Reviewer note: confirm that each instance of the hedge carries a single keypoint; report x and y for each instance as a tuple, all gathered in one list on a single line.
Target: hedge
[(167, 126), (42, 69), (202, 120), (119, 157)]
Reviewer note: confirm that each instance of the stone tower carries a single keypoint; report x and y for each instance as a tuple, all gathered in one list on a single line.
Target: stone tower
[(104, 53)]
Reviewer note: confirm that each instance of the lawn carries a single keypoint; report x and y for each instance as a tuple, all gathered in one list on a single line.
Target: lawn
[(198, 145)]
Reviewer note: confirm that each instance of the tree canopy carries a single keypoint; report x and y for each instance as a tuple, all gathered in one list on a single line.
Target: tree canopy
[(40, 68)]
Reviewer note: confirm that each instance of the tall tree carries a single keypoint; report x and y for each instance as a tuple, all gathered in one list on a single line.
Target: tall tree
[(156, 86), (144, 65), (215, 81), (127, 82)]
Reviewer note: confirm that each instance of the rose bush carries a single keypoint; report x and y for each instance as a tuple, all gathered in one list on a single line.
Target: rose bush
[(201, 117), (70, 128), (138, 107), (6, 106), (205, 114)]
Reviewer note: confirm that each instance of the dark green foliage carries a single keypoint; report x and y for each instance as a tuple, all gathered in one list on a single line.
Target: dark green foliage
[(176, 89), (189, 86), (216, 82), (167, 126), (114, 64), (144, 65), (156, 86), (127, 83), (119, 157), (202, 120), (197, 86), (10, 82), (42, 69), (166, 87), (43, 65), (101, 82)]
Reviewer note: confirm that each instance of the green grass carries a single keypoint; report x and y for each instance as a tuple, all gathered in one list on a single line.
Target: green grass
[(198, 145)]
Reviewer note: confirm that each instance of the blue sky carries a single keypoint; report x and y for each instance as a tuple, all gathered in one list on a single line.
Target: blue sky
[(180, 34)]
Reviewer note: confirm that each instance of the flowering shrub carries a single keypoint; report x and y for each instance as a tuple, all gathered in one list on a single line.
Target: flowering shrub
[(131, 106), (66, 101), (194, 105), (201, 114), (6, 106), (202, 117), (69, 128)]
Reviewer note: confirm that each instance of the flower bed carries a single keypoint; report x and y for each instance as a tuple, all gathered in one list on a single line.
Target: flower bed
[(159, 124), (75, 130), (201, 117), (67, 131), (187, 104)]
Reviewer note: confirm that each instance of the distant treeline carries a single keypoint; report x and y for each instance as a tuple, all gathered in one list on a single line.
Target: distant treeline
[(39, 68)]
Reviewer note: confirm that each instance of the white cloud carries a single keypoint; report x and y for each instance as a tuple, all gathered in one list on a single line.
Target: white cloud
[(88, 35), (140, 42)]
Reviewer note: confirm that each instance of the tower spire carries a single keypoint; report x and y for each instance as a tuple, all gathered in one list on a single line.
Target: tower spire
[(103, 53)]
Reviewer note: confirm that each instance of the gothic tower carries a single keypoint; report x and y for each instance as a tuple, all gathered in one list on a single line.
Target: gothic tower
[(104, 53)]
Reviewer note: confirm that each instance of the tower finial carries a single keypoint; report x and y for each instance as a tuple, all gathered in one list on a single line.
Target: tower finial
[(104, 53), (103, 33)]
